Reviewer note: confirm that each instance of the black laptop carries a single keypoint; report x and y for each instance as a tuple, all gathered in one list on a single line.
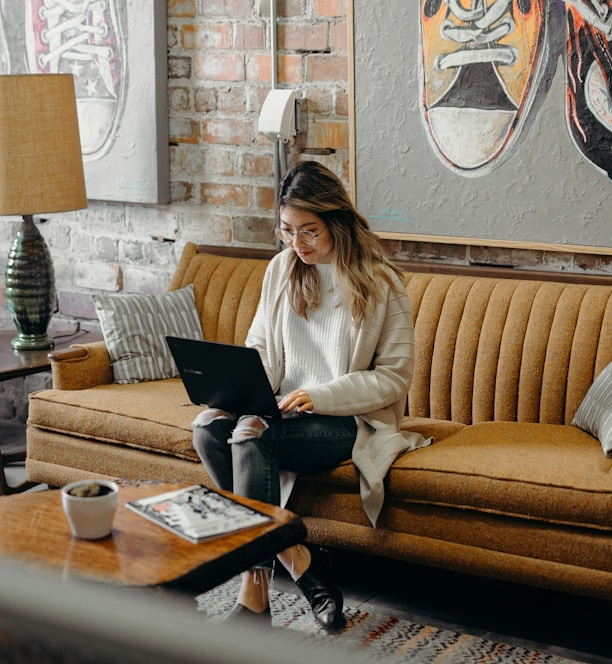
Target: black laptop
[(224, 376)]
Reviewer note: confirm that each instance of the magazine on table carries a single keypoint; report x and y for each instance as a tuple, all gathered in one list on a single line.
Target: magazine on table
[(198, 513)]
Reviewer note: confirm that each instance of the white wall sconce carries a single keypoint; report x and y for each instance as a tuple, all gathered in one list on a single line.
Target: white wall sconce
[(279, 117)]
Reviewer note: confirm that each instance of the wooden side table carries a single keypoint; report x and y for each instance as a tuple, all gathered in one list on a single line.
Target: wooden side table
[(20, 363)]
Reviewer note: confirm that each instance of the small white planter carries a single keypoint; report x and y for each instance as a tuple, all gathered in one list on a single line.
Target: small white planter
[(90, 517)]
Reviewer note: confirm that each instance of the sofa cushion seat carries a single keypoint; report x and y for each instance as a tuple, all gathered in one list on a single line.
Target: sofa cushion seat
[(430, 427), (514, 469), (506, 468), (153, 416), (345, 474)]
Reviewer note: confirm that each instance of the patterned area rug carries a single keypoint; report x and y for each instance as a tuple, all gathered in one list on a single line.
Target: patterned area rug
[(380, 638)]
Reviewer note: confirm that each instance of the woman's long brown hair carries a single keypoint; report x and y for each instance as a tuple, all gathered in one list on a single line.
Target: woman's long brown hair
[(361, 265)]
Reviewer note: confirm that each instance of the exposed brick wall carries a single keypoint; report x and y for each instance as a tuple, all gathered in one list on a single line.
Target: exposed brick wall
[(222, 187)]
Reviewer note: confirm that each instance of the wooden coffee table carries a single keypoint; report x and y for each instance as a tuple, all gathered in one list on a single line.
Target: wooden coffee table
[(139, 553)]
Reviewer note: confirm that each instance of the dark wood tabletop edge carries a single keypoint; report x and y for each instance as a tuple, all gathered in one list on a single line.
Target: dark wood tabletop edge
[(218, 571)]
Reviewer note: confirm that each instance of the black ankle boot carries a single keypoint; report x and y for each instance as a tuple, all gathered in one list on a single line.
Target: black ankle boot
[(322, 594)]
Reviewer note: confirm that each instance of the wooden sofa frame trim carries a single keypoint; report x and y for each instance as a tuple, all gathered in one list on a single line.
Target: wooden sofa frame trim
[(429, 267)]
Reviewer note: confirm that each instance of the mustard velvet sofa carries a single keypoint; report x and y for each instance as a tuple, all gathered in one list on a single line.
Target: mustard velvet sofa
[(510, 489)]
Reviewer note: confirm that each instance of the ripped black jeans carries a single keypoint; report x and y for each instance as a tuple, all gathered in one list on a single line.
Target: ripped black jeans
[(244, 455)]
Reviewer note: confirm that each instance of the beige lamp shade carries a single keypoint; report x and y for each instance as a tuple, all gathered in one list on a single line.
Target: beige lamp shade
[(41, 164)]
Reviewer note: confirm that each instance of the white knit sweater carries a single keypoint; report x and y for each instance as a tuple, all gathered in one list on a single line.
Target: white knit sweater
[(316, 348)]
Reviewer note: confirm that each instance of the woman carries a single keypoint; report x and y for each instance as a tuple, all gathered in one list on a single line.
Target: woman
[(334, 331)]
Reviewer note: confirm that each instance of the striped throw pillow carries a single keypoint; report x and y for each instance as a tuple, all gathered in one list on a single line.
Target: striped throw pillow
[(595, 412), (135, 327)]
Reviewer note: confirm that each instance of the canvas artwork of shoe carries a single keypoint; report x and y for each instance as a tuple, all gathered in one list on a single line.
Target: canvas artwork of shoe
[(83, 38), (481, 62), (589, 80)]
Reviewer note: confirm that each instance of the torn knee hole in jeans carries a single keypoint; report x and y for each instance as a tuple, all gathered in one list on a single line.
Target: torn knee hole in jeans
[(207, 417), (248, 427)]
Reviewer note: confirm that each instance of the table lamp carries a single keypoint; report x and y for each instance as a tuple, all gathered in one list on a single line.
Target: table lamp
[(41, 171)]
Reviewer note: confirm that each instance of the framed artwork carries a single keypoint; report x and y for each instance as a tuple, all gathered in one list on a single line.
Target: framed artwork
[(117, 53), (485, 120)]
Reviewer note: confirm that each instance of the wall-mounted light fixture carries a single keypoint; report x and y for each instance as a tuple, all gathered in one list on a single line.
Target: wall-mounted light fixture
[(279, 115)]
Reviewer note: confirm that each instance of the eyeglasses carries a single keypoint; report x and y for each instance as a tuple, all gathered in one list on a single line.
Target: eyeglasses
[(306, 237)]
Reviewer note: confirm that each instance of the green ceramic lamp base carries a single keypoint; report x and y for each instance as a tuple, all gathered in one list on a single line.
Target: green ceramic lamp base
[(30, 287), (32, 342)]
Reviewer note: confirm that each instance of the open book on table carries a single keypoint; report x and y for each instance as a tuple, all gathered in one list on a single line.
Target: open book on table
[(198, 513)]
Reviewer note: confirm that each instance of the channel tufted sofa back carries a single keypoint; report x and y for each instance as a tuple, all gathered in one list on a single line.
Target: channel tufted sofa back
[(486, 349), (506, 350), (226, 291)]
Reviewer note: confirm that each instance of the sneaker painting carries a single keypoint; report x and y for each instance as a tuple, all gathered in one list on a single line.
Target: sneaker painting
[(83, 38), (480, 62), (588, 80)]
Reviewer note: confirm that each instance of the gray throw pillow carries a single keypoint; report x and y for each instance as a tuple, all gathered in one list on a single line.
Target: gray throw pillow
[(135, 327), (595, 412)]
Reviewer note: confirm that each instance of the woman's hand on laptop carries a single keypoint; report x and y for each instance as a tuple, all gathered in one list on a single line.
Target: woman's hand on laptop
[(297, 400)]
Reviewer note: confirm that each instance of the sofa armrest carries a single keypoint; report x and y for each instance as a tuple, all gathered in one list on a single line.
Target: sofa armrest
[(81, 366)]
